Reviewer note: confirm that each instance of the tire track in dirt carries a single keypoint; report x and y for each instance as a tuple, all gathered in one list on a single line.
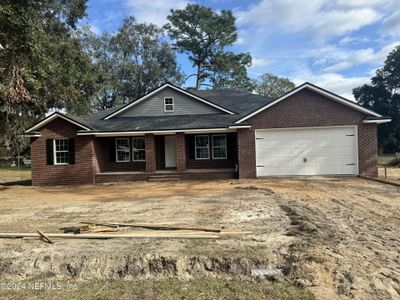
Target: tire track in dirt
[(348, 248)]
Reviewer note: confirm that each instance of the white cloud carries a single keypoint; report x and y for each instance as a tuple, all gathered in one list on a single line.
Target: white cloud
[(259, 62), (362, 56), (153, 11), (363, 3), (333, 82), (354, 40), (391, 24), (320, 18)]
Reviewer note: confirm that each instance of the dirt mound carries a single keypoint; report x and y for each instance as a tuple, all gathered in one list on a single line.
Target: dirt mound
[(115, 266)]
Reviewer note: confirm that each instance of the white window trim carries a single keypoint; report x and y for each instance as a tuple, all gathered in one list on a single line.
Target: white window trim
[(173, 105), (116, 150), (195, 147), (226, 146), (133, 150), (55, 153)]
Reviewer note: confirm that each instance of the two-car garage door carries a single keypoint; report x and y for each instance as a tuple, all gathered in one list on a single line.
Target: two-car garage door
[(311, 151)]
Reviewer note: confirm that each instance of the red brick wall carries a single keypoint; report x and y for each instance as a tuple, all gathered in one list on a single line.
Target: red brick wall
[(180, 152), (151, 165), (308, 109), (368, 149), (79, 173)]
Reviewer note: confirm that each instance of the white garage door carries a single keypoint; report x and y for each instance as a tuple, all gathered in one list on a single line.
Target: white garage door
[(311, 151)]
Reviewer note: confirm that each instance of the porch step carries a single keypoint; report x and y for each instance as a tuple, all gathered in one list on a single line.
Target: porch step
[(164, 177)]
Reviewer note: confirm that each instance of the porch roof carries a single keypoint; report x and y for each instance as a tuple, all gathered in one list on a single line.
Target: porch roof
[(161, 123), (239, 102)]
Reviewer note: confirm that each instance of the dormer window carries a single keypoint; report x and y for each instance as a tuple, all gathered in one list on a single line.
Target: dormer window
[(169, 104)]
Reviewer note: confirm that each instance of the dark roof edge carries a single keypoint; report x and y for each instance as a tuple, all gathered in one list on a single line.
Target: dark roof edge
[(54, 115), (222, 128)]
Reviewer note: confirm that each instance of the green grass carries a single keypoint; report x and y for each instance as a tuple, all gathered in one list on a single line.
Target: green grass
[(168, 289)]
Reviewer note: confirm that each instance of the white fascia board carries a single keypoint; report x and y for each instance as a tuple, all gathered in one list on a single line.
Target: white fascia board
[(381, 121), (317, 90), (29, 135), (51, 118), (156, 132), (119, 111), (239, 126)]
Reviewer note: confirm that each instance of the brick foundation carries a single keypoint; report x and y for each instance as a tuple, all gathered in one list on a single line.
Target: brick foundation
[(222, 175)]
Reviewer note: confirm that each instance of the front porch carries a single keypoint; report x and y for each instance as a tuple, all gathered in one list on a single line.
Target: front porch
[(167, 175), (177, 156)]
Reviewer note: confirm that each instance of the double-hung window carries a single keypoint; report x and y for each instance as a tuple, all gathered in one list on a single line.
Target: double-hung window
[(202, 147), (169, 104), (61, 151), (219, 146), (122, 149), (138, 149)]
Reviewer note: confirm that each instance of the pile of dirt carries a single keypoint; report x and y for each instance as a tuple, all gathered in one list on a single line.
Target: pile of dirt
[(115, 266)]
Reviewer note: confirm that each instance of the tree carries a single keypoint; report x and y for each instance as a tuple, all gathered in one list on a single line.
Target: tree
[(204, 36), (230, 72), (42, 66), (132, 62), (383, 96), (273, 86)]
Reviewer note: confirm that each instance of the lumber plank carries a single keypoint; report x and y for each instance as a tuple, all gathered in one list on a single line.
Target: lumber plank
[(112, 236), (235, 232), (44, 237), (155, 226)]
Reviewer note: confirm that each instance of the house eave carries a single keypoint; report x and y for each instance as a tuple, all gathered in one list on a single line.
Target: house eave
[(30, 135), (52, 117), (159, 132), (378, 121)]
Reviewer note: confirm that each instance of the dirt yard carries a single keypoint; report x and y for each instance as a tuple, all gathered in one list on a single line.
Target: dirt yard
[(392, 174), (337, 238)]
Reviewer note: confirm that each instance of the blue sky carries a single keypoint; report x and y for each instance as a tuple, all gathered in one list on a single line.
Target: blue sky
[(336, 44)]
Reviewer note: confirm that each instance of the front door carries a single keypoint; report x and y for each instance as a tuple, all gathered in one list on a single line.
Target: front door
[(170, 151)]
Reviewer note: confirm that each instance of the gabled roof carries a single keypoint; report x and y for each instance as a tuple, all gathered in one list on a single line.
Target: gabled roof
[(56, 115), (245, 105), (242, 103), (148, 95), (318, 90)]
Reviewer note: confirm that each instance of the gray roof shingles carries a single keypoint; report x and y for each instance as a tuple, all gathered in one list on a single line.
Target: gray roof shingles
[(238, 102)]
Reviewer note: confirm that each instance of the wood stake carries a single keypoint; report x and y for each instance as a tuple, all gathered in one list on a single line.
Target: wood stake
[(44, 237)]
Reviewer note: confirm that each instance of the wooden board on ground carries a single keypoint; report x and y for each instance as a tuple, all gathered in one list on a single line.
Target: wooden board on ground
[(155, 226), (45, 237), (113, 236)]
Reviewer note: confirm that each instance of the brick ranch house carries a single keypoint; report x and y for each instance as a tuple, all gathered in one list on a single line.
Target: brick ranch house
[(171, 133)]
